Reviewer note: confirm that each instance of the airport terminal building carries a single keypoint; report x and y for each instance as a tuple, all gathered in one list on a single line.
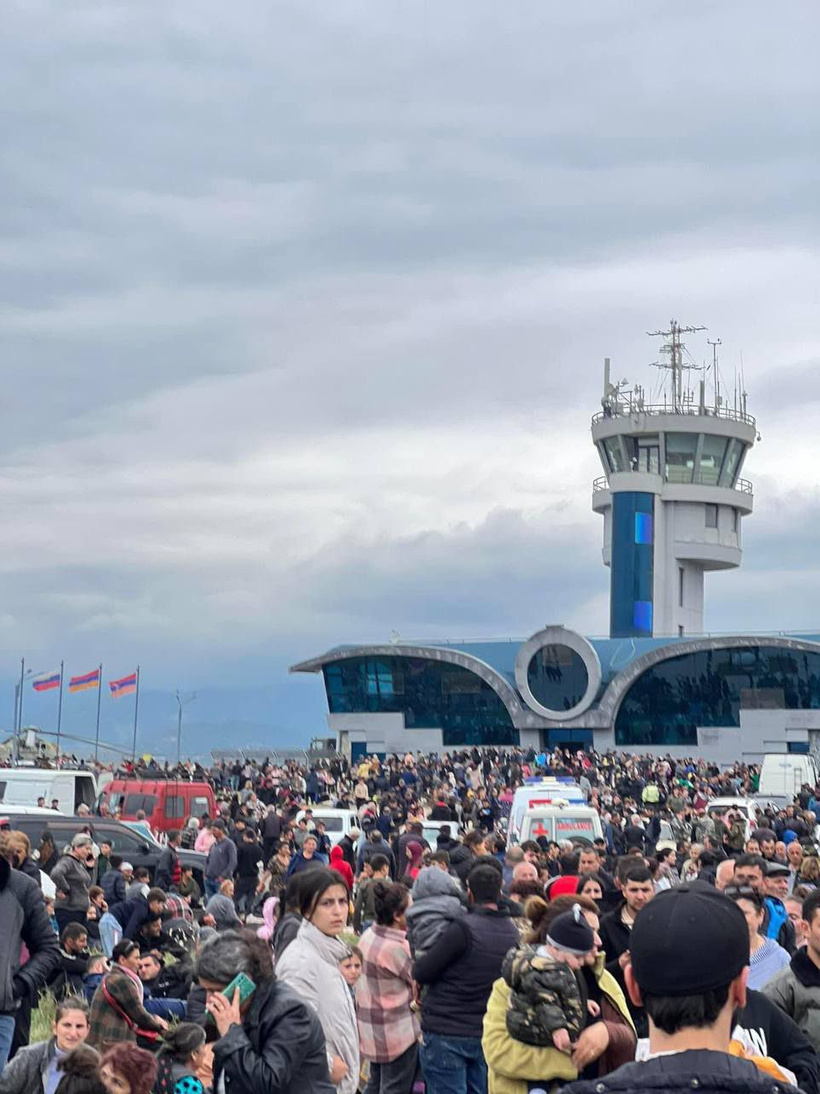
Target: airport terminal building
[(672, 500)]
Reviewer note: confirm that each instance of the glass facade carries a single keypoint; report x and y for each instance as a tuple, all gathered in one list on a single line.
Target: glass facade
[(680, 456), (632, 565), (668, 702), (430, 695), (558, 677)]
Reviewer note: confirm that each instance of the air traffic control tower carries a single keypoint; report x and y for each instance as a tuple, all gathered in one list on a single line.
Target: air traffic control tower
[(671, 495)]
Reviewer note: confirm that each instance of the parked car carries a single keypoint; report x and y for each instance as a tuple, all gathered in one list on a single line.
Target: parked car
[(133, 846), (166, 802)]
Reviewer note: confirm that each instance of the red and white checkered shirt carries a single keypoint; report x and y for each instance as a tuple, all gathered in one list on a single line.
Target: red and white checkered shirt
[(387, 1026)]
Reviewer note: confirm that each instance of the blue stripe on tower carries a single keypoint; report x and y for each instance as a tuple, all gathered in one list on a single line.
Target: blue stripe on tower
[(631, 565)]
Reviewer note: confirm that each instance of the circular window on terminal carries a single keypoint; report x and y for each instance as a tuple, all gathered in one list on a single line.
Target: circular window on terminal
[(557, 677)]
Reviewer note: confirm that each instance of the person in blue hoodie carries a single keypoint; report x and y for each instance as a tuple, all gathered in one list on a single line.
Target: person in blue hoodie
[(776, 923)]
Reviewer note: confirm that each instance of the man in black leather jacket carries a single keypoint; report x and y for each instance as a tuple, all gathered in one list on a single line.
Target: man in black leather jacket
[(689, 967)]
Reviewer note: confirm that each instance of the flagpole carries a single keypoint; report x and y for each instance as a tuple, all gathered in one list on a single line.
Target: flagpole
[(99, 698), (60, 710), (15, 751), (136, 713)]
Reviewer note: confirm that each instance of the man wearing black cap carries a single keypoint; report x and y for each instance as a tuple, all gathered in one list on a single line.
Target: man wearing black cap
[(689, 966)]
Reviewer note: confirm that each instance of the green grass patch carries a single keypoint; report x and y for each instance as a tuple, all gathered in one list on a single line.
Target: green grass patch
[(42, 1017)]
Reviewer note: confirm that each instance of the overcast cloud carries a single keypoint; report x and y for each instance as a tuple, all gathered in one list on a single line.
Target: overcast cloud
[(303, 307)]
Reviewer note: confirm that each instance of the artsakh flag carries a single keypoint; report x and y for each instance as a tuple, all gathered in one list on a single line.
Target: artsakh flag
[(126, 686)]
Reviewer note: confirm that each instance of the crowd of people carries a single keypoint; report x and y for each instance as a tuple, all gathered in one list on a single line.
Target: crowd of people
[(679, 949)]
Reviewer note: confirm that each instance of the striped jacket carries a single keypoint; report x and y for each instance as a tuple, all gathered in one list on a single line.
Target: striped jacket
[(387, 1025), (107, 1024)]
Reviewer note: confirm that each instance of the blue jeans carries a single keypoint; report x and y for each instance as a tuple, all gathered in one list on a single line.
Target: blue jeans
[(166, 1008), (453, 1065), (6, 1037), (211, 888)]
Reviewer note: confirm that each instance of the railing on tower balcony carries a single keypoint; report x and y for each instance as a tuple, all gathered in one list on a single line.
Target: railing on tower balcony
[(627, 410), (743, 485)]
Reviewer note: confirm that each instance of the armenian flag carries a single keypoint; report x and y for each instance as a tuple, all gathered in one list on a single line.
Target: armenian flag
[(126, 686), (47, 681), (84, 683)]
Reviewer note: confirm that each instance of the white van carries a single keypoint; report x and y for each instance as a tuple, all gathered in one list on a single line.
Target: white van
[(783, 774), (747, 807), (337, 822), (24, 785), (535, 795), (578, 823)]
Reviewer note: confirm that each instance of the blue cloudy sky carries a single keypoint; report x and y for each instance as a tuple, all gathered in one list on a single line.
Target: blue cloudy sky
[(302, 310)]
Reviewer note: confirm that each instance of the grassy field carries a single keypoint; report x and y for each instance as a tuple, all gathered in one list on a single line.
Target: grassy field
[(42, 1018)]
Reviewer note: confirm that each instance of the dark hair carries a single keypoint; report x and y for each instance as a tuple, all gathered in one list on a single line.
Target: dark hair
[(134, 1064), (81, 1072), (141, 872), (638, 874), (292, 891), (810, 905), (389, 900), (72, 932), (115, 861), (526, 888), (531, 845), (751, 860), (584, 878), (441, 856), (674, 1013), (569, 863), (625, 864), (316, 883), (484, 883), (487, 860), (663, 854), (744, 892), (541, 914), (182, 1041), (472, 839), (124, 948), (71, 1002), (378, 862), (156, 895)]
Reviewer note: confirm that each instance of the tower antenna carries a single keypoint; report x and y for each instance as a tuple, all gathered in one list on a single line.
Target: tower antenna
[(674, 349), (715, 375)]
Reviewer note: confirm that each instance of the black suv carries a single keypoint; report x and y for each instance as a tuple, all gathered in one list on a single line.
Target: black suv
[(132, 845)]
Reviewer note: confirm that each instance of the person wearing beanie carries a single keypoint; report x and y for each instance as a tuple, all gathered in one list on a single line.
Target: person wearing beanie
[(689, 958), (547, 1000)]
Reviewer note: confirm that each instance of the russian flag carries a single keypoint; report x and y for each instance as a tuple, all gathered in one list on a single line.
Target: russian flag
[(47, 681), (126, 686), (83, 683)]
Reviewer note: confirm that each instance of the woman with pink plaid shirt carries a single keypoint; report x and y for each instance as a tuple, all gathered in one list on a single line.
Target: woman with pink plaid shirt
[(388, 1029)]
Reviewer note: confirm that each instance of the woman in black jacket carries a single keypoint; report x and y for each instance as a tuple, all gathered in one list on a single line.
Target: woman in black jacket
[(273, 1042)]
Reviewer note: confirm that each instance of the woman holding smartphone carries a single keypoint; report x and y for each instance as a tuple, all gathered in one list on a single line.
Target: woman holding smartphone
[(270, 1042), (311, 966)]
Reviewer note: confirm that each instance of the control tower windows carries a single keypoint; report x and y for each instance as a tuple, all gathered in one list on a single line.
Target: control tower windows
[(733, 457), (644, 454), (712, 454), (614, 454), (711, 516), (680, 456)]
